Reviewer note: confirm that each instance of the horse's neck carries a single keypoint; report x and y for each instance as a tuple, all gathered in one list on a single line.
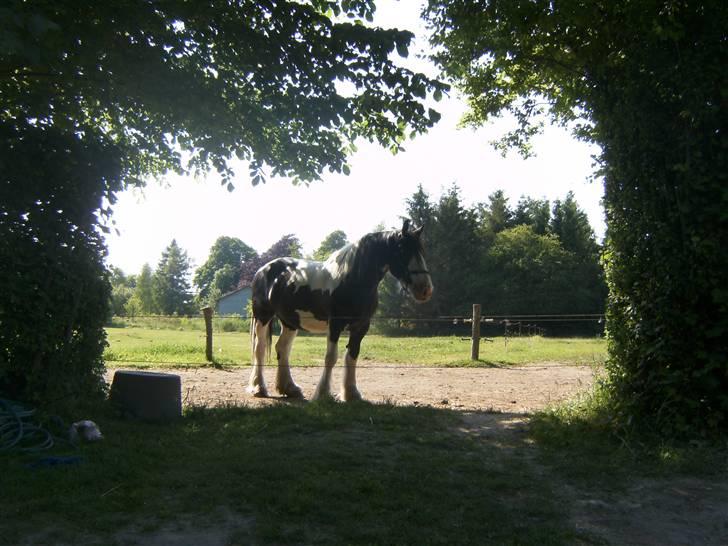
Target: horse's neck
[(370, 262)]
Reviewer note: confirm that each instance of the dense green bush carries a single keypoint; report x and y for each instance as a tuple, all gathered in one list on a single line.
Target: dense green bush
[(55, 288), (646, 81)]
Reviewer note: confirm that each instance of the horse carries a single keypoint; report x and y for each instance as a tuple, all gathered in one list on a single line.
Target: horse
[(328, 297)]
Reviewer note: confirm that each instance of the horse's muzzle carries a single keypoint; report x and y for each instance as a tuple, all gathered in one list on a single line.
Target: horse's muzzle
[(422, 293)]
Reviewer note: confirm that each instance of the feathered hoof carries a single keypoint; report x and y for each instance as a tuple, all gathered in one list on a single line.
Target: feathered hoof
[(350, 394), (290, 391), (258, 391), (323, 395)]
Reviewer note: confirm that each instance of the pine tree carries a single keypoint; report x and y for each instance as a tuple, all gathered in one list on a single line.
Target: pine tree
[(171, 285), (495, 216), (419, 208), (533, 212), (571, 225)]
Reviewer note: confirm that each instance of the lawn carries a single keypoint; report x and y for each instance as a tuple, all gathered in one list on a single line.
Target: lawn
[(320, 473), (182, 348), (358, 473)]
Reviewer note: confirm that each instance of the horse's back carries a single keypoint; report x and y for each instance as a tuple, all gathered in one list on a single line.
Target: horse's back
[(297, 291)]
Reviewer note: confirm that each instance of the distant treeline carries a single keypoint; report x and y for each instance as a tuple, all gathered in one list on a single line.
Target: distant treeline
[(537, 258)]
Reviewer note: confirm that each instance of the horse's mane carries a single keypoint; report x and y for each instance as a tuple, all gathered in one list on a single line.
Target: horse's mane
[(351, 256)]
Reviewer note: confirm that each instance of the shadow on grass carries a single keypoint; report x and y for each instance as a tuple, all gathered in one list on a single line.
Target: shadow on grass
[(316, 473), (631, 488)]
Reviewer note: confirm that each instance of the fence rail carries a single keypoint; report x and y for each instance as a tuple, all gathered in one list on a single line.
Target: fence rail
[(515, 325)]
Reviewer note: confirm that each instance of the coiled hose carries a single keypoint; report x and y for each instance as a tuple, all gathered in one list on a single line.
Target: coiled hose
[(17, 432)]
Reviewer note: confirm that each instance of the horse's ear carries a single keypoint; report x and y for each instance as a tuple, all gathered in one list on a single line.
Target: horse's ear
[(405, 226)]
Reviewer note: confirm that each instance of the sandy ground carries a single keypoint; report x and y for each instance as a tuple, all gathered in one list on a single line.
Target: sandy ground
[(513, 389)]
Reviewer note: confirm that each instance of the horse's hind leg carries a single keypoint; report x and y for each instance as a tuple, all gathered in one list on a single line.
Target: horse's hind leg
[(260, 340), (284, 382)]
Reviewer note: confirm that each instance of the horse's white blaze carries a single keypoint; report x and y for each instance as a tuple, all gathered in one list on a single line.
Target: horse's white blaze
[(311, 323)]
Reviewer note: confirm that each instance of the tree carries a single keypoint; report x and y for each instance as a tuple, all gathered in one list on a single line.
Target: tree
[(533, 212), (419, 208), (122, 290), (450, 245), (333, 242), (142, 301), (286, 246), (225, 280), (258, 80), (170, 283), (91, 103), (571, 225), (528, 273), (645, 80), (227, 252), (495, 216)]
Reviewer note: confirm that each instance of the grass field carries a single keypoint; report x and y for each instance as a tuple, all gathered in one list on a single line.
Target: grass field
[(174, 348)]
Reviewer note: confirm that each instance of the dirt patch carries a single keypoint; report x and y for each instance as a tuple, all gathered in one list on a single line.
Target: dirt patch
[(514, 389), (656, 512), (673, 511)]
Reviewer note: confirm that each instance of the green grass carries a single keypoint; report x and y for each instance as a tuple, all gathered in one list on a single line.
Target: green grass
[(317, 473), (579, 440), (147, 347)]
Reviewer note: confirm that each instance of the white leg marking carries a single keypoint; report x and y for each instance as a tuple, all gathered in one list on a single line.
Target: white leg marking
[(349, 391), (324, 387), (256, 384), (284, 382)]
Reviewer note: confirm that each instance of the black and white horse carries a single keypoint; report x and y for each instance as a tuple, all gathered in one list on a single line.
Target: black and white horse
[(327, 297)]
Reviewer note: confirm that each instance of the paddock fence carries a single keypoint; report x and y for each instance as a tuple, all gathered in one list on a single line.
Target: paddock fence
[(476, 328)]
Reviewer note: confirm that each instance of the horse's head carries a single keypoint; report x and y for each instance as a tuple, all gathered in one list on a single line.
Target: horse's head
[(407, 262)]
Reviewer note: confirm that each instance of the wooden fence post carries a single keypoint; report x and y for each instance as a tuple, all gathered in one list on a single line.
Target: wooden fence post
[(475, 346), (207, 312)]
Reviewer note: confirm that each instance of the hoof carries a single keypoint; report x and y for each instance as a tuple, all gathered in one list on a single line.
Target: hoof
[(322, 395), (258, 391), (291, 391), (351, 394)]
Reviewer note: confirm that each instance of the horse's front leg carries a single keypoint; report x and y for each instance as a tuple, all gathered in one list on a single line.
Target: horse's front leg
[(323, 390), (284, 382), (349, 390)]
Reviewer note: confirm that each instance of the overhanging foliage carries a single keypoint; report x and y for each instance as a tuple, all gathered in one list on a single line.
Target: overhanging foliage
[(99, 96)]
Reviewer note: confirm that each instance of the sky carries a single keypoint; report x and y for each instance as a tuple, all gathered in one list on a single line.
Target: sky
[(195, 212)]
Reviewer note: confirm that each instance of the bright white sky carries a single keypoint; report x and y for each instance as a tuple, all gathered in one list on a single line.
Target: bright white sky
[(197, 212)]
